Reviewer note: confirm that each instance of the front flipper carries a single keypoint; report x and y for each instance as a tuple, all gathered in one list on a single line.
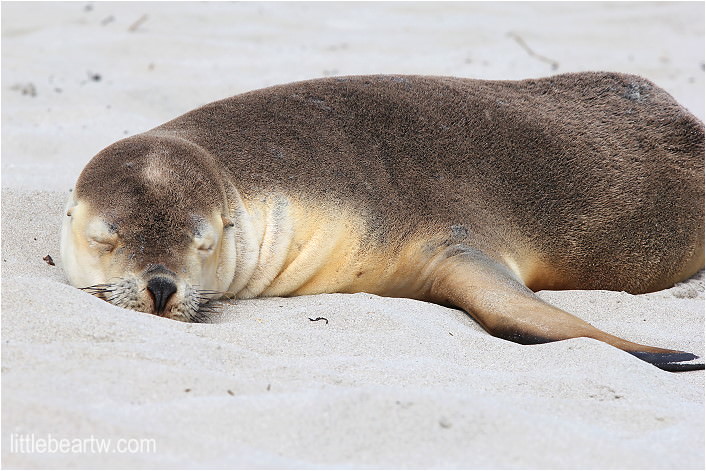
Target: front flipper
[(506, 308)]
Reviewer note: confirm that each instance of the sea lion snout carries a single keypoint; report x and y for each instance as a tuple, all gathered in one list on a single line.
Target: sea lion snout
[(161, 286), (161, 289)]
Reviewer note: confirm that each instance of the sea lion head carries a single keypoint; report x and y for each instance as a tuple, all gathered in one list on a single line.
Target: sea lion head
[(147, 228)]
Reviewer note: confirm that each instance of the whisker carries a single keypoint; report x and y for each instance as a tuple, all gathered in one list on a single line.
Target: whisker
[(209, 310), (197, 319), (203, 300), (213, 292), (210, 306), (100, 290)]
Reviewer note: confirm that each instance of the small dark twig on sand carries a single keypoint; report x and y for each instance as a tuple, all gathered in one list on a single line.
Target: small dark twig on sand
[(133, 27), (554, 64), (318, 319)]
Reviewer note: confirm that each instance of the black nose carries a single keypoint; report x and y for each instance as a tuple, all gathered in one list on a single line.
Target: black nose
[(161, 289)]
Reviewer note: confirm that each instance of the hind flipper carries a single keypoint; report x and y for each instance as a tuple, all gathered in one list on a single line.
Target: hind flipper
[(677, 361), (491, 293)]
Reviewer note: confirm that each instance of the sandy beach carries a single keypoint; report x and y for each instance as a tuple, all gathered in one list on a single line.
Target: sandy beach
[(385, 383)]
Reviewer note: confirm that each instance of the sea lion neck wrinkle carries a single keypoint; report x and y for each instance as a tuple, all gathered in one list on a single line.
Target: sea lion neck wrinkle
[(239, 247), (261, 237), (273, 230), (289, 246)]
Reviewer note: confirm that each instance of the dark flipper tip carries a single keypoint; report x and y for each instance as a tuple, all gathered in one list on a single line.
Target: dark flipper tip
[(670, 361)]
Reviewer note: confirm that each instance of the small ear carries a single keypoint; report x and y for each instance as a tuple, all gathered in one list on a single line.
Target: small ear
[(70, 203), (227, 222)]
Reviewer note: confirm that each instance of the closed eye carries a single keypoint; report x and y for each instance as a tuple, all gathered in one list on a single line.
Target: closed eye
[(205, 237), (102, 245), (205, 244)]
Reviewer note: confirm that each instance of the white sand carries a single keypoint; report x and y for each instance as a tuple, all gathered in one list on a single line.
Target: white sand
[(387, 382)]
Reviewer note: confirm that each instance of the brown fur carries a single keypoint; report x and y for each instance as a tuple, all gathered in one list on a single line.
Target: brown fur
[(601, 174), (116, 179)]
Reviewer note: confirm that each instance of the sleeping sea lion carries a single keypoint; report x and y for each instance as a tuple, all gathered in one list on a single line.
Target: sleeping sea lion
[(467, 193)]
